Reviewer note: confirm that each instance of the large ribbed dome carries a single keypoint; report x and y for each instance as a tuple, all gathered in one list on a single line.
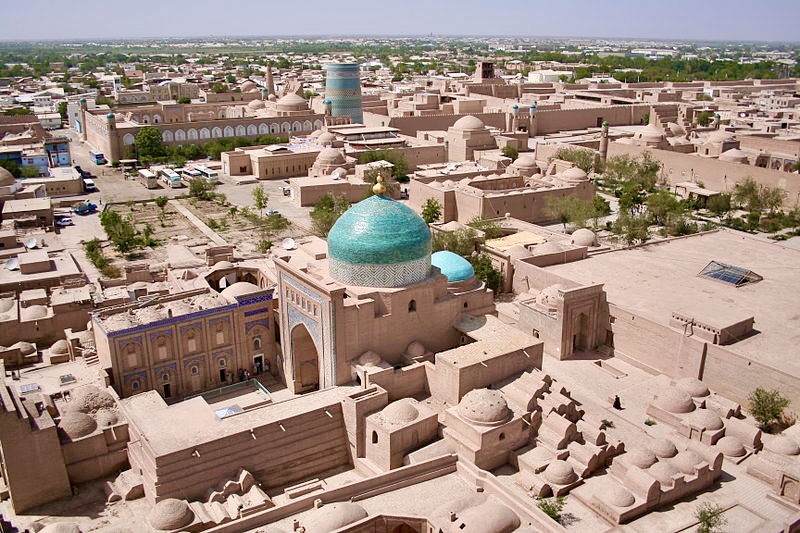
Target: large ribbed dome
[(6, 178), (379, 243), (484, 407), (453, 266)]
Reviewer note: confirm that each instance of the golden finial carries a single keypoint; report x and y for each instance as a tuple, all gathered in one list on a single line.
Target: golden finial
[(378, 188)]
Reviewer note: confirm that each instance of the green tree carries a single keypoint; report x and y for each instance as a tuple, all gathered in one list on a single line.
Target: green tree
[(634, 229), (552, 507), (18, 111), (663, 207), (767, 406), (260, 198), (120, 230), (394, 157), (570, 209), (510, 151), (583, 158), (490, 228), (641, 171), (326, 212), (719, 204), (463, 242), (184, 100), (62, 109), (200, 189), (710, 518), (12, 167), (704, 118), (431, 210), (149, 144), (219, 87), (485, 271), (29, 172)]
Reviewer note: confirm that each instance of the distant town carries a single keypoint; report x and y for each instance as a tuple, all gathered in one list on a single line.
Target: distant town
[(399, 285)]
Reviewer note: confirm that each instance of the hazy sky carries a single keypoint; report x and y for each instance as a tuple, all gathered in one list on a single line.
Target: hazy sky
[(763, 20)]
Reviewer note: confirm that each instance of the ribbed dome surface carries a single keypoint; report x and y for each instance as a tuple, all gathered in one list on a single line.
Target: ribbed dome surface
[(76, 425), (379, 243), (90, 399), (484, 406), (400, 412), (170, 514)]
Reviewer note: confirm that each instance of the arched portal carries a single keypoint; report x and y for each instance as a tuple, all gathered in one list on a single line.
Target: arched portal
[(305, 360)]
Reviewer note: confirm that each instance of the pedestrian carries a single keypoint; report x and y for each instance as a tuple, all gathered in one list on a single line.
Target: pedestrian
[(617, 403)]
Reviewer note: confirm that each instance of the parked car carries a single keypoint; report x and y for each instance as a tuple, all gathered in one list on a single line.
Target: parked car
[(273, 212), (64, 221), (85, 208), (89, 185)]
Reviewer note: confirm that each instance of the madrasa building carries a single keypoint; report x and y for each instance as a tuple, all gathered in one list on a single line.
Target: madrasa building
[(373, 295)]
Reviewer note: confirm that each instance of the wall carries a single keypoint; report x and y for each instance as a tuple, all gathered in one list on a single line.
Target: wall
[(404, 382), (556, 120), (410, 125)]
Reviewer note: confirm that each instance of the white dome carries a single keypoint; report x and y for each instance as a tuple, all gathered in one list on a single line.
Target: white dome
[(663, 448), (60, 347), (560, 473), (239, 289), (525, 162), (705, 418), (468, 123), (370, 358), (674, 400), (400, 412), (326, 137), (584, 237), (731, 446), (6, 178), (416, 349), (256, 104), (686, 461), (693, 387), (782, 445), (33, 312), (331, 157), (574, 175), (663, 472), (484, 406)]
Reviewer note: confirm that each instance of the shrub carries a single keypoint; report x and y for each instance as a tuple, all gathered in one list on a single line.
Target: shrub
[(552, 507), (767, 406), (709, 517)]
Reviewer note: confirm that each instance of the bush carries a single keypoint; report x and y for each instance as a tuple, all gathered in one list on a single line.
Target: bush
[(552, 507), (709, 517), (767, 407)]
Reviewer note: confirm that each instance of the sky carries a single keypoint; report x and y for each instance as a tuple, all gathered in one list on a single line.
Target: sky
[(706, 20)]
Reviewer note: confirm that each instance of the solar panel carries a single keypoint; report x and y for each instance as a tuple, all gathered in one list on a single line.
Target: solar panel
[(28, 388), (66, 379), (730, 274), (228, 411)]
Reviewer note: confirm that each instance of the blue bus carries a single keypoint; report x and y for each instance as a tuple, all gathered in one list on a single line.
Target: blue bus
[(97, 157)]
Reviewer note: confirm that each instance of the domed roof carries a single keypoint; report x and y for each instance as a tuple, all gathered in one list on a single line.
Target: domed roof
[(223, 265), (583, 237), (370, 358), (641, 457), (60, 347), (106, 417), (400, 412), (663, 448), (674, 400), (549, 296), (61, 527), (731, 446), (484, 406), (6, 178), (560, 473), (675, 129), (488, 517), (256, 104), (76, 424), (110, 116), (705, 418), (782, 445), (333, 516), (468, 123), (620, 497), (6, 304), (719, 136), (663, 472), (25, 348), (416, 349), (686, 461), (170, 514), (692, 386), (650, 133), (247, 85), (33, 312), (326, 137), (574, 175), (330, 157), (239, 289), (292, 100), (734, 155), (379, 243), (90, 399), (525, 162), (453, 266)]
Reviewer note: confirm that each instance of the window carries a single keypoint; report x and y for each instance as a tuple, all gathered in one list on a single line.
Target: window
[(412, 306), (257, 342), (222, 363), (135, 385), (374, 437), (536, 333), (194, 370), (733, 275), (165, 378)]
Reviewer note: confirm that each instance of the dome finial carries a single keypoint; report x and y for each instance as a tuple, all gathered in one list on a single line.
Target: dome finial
[(379, 188)]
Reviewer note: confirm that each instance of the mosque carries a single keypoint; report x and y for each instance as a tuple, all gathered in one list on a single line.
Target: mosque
[(374, 288)]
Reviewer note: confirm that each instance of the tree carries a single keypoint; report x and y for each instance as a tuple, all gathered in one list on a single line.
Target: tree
[(490, 228), (149, 144), (200, 189), (121, 231), (431, 210), (569, 209), (326, 212), (184, 100), (29, 172), (641, 171), (583, 158), (260, 198), (767, 406), (663, 207), (161, 203), (719, 204), (552, 507), (219, 87), (756, 197), (510, 151), (62, 109), (634, 229), (18, 111), (394, 157), (463, 242), (704, 118), (485, 271), (710, 518)]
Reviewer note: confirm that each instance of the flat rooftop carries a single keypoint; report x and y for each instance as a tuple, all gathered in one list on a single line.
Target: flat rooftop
[(662, 277)]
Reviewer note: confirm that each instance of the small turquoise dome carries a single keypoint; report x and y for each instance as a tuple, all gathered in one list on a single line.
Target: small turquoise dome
[(455, 267), (327, 101), (515, 106), (82, 101), (379, 243), (110, 116)]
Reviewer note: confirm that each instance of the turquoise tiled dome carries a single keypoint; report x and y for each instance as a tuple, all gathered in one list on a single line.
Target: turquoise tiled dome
[(455, 267), (379, 243)]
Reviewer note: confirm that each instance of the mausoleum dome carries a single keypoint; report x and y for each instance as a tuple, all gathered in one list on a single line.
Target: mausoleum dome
[(620, 497), (61, 527), (686, 461), (705, 418), (90, 399), (663, 448), (60, 347), (584, 237), (6, 178), (170, 514), (369, 358), (675, 400), (484, 406), (693, 387), (574, 175), (641, 457), (326, 137), (379, 243), (416, 349), (453, 266), (330, 157), (106, 417), (76, 424), (560, 473), (731, 446), (292, 102), (333, 516), (33, 312), (239, 289), (525, 162), (400, 412), (488, 517), (25, 348), (782, 445), (468, 123), (256, 104), (663, 472)]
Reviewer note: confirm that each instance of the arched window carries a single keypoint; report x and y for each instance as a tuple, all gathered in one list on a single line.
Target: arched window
[(165, 378), (374, 437), (222, 363), (194, 370), (135, 385), (257, 342), (412, 306)]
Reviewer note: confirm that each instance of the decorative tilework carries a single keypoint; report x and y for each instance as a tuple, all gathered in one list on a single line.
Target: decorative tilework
[(166, 332), (163, 368), (396, 275), (254, 323), (129, 377), (343, 89), (171, 321), (195, 325), (256, 311), (198, 359)]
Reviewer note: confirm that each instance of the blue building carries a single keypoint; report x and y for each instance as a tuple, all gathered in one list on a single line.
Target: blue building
[(343, 89)]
